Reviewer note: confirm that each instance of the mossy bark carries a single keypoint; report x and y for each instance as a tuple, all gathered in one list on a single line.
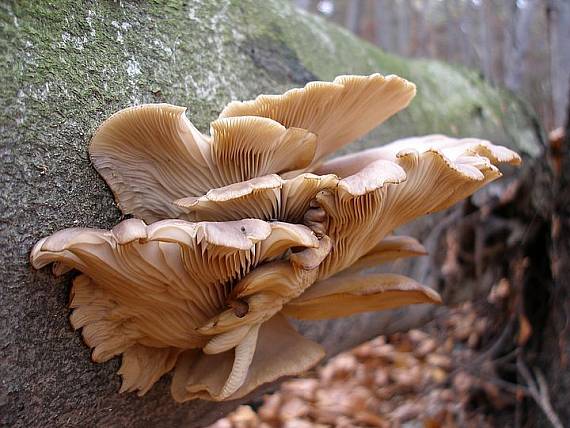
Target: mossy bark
[(67, 65)]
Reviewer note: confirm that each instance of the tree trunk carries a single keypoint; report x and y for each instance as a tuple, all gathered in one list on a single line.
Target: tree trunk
[(384, 24), (68, 65), (559, 31), (485, 40), (549, 352), (403, 11), (352, 18), (520, 42)]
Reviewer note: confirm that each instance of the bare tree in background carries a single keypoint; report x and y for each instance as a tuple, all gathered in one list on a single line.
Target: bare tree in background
[(384, 31), (485, 42), (521, 20), (403, 11), (558, 17), (353, 11)]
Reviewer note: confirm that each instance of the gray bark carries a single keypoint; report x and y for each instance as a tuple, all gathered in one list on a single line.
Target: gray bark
[(352, 18), (403, 36), (303, 4), (520, 43), (559, 22), (67, 65), (384, 24), (485, 41)]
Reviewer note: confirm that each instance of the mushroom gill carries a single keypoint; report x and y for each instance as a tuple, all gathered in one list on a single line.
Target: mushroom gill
[(240, 229)]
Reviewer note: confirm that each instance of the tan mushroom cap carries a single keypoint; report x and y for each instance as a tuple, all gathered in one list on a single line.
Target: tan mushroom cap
[(348, 294), (393, 185), (145, 290), (338, 112), (151, 155), (389, 249), (279, 351), (452, 149), (268, 197)]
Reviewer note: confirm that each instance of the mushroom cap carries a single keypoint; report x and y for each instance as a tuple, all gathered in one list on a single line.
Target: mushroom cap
[(279, 351), (394, 184), (151, 155), (337, 112), (349, 294)]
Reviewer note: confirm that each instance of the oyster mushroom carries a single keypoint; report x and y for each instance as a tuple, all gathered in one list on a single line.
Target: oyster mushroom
[(241, 228), (144, 152), (154, 292)]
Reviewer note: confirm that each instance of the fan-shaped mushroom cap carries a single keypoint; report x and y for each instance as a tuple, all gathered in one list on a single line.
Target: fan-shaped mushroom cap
[(268, 197), (279, 351), (396, 183), (389, 249), (337, 112), (348, 294), (151, 155), (452, 149), (142, 366)]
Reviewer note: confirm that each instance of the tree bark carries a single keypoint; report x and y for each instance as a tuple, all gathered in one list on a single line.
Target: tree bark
[(519, 46), (559, 31), (352, 18), (485, 41), (384, 34)]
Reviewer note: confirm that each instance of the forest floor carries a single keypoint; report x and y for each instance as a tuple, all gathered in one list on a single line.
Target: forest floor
[(443, 375)]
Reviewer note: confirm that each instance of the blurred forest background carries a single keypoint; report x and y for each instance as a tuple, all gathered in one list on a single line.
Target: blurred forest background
[(523, 45)]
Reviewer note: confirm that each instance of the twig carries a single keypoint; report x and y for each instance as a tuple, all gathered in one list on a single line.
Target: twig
[(539, 392)]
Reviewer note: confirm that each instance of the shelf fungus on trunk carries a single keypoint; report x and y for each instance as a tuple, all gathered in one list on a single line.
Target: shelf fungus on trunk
[(236, 231)]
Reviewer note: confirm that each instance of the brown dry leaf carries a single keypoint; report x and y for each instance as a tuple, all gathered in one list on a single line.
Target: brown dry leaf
[(525, 330), (300, 423), (294, 408), (500, 291), (302, 388), (417, 336), (244, 417), (406, 412), (438, 375), (439, 360), (270, 409), (425, 347), (463, 383), (341, 367), (371, 419)]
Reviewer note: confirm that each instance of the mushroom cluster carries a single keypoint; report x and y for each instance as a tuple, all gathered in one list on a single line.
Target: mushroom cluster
[(235, 231)]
